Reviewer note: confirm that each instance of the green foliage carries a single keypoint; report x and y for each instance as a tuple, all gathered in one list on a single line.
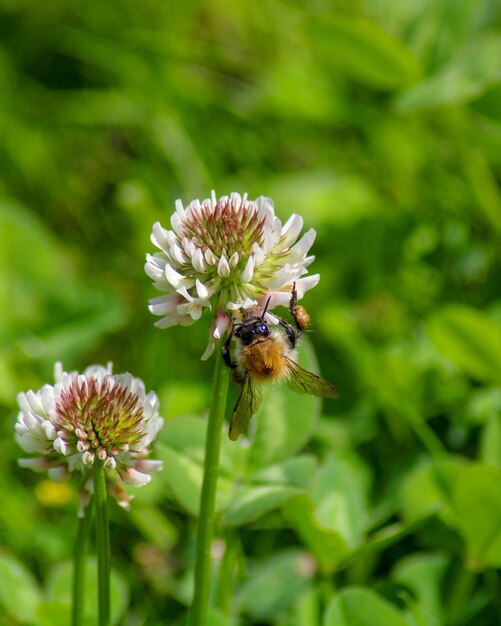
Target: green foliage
[(356, 606), (380, 123)]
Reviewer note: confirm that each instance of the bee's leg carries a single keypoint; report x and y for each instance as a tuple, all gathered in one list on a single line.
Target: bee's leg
[(226, 353), (292, 333), (293, 301), (292, 309)]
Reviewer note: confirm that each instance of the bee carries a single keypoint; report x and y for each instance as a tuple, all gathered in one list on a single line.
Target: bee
[(267, 354)]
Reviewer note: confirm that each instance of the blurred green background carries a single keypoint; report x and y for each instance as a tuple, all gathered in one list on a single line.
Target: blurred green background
[(380, 123)]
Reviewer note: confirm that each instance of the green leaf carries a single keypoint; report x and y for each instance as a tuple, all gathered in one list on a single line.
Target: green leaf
[(216, 617), (19, 591), (359, 606), (490, 443), (274, 584), (424, 574), (477, 501), (295, 472), (489, 104), (470, 339), (339, 492), (285, 420), (186, 435), (327, 545), (251, 503), (56, 614), (154, 525), (59, 590), (184, 478), (427, 489), (474, 70), (365, 51)]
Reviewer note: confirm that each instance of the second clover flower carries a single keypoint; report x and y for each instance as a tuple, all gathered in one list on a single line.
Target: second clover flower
[(225, 254), (91, 417)]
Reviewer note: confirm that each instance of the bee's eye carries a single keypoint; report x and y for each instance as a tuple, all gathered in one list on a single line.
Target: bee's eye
[(263, 329)]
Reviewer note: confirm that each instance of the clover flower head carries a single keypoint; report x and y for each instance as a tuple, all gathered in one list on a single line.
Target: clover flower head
[(86, 417), (224, 255)]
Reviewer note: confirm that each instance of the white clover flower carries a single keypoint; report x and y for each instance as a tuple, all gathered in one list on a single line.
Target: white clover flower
[(89, 416), (224, 255)]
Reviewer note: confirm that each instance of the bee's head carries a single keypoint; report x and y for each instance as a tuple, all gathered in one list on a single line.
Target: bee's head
[(247, 331)]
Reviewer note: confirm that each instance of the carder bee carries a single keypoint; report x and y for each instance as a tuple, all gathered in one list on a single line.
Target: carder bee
[(267, 353)]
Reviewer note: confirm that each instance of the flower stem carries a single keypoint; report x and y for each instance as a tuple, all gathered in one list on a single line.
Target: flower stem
[(80, 565), (205, 530), (102, 543)]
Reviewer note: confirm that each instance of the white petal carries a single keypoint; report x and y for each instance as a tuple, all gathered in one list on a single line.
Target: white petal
[(308, 260), (58, 371), (279, 298), (270, 238), (154, 269), (175, 278), (259, 255), (180, 209), (188, 246), (177, 255), (300, 249), (88, 458), (60, 446), (209, 349), (210, 257), (173, 320), (305, 284), (49, 430), (234, 259), (221, 325), (193, 210), (248, 271), (148, 465), (236, 199), (159, 237), (182, 291), (223, 269), (290, 232), (202, 291), (198, 261), (36, 465), (283, 277), (246, 304), (177, 224), (133, 477), (163, 305), (265, 204), (192, 309)]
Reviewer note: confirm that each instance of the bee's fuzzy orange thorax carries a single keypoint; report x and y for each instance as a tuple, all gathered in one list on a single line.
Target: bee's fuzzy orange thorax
[(264, 359)]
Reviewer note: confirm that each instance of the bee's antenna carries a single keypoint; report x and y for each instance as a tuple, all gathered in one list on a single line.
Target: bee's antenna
[(265, 307)]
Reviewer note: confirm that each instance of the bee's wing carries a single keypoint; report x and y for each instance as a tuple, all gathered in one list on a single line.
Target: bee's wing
[(247, 404), (303, 381)]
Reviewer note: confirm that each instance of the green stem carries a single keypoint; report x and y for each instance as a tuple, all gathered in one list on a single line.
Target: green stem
[(462, 588), (205, 530), (80, 565), (102, 543)]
